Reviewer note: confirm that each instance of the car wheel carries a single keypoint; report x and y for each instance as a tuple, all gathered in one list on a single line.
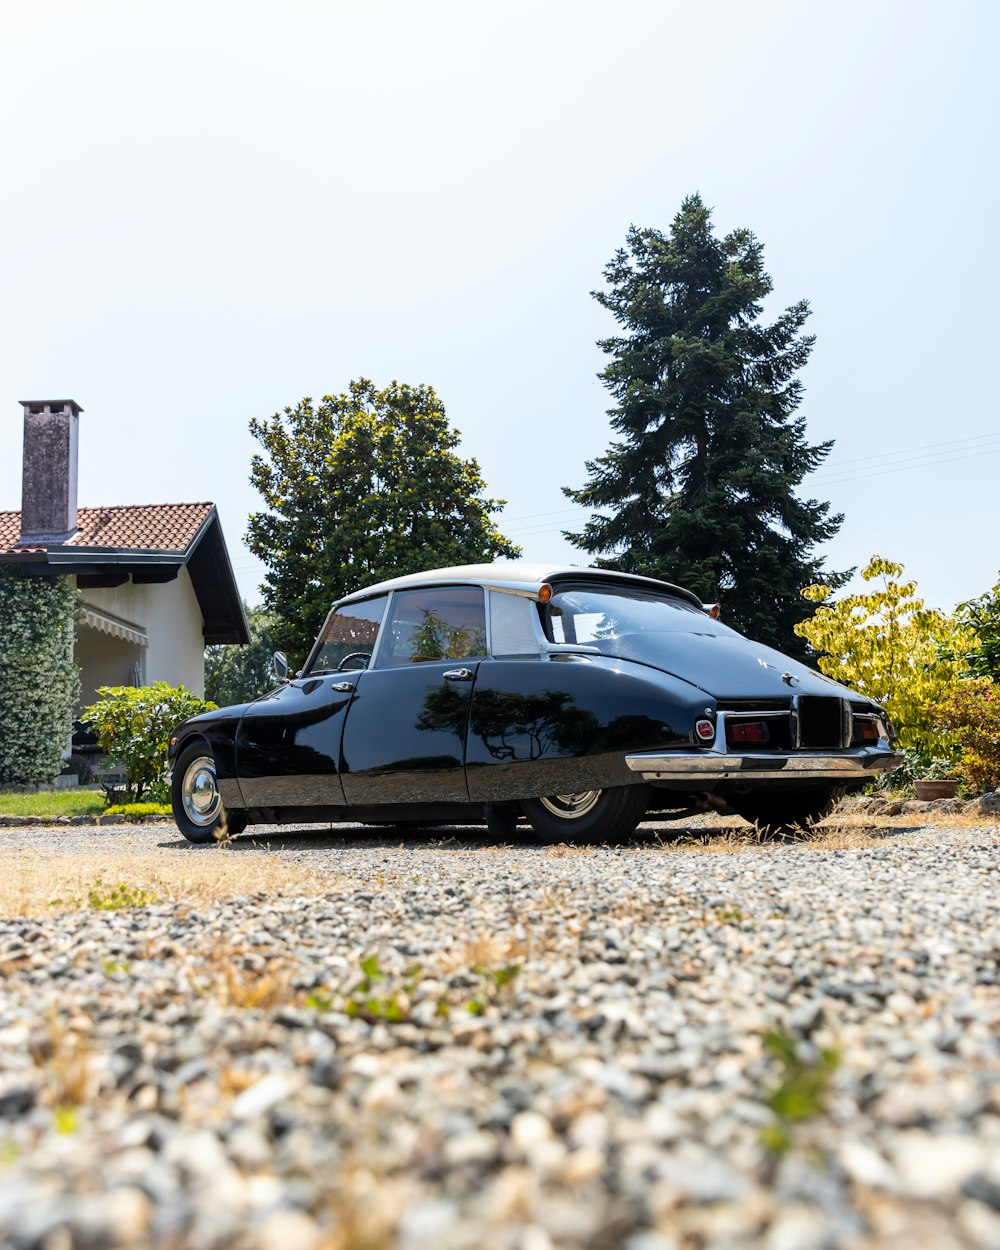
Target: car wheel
[(589, 815), (195, 799), (782, 813)]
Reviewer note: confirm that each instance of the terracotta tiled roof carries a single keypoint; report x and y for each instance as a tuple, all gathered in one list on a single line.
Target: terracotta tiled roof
[(130, 527)]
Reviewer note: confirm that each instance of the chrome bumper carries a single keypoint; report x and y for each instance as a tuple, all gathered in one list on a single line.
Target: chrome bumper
[(854, 764)]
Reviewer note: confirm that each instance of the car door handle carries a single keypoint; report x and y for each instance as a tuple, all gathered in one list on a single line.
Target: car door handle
[(458, 674), (342, 686)]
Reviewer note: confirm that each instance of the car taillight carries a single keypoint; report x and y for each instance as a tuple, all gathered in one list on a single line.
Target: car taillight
[(865, 730), (747, 732), (705, 730)]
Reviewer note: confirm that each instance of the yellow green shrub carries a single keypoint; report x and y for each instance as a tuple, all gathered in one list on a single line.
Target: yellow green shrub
[(884, 643)]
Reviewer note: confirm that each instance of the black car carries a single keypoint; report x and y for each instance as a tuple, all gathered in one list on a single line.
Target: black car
[(578, 699)]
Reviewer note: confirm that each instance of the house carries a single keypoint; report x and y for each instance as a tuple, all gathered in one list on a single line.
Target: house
[(155, 581)]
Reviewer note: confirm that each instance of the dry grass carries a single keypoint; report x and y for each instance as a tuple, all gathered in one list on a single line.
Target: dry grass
[(233, 1080), (563, 849), (832, 835), (838, 834), (226, 973), (967, 818), (843, 831), (33, 886), (717, 834), (483, 950), (908, 820), (364, 1207), (48, 882), (64, 1055)]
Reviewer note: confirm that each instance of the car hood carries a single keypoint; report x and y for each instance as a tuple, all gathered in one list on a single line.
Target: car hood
[(725, 666)]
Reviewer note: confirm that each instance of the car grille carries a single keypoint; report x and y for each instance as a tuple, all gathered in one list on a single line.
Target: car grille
[(805, 723), (823, 723)]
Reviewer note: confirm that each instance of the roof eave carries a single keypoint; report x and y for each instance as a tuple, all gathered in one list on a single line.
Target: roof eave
[(211, 573), (214, 582), (63, 556)]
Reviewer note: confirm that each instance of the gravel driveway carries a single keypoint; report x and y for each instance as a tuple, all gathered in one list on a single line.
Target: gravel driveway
[(460, 1044)]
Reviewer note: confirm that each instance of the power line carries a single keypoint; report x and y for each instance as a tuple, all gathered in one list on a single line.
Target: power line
[(900, 460), (914, 453), (835, 476), (902, 468), (883, 455)]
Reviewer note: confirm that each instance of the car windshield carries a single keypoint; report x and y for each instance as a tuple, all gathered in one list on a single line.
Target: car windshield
[(604, 616), (348, 636)]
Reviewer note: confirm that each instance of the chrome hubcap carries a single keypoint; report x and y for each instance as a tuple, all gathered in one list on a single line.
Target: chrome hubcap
[(200, 793), (571, 806)]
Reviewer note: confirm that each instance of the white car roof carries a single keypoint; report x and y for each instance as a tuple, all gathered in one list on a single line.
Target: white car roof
[(519, 576)]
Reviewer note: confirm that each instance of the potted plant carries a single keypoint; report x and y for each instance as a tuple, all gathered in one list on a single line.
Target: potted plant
[(936, 779), (930, 788)]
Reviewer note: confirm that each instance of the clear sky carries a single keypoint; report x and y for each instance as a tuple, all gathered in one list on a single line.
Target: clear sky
[(213, 209)]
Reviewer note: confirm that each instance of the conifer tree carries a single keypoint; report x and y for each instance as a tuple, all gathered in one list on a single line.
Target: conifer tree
[(700, 488)]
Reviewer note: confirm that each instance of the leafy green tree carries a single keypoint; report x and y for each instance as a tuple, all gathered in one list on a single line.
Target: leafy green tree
[(239, 674), (133, 726), (982, 616), (700, 489), (39, 680), (365, 486), (886, 644)]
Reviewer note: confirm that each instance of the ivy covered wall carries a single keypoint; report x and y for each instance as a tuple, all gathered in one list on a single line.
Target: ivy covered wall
[(39, 680)]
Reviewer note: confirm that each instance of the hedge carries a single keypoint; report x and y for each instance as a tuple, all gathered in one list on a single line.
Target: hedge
[(39, 680)]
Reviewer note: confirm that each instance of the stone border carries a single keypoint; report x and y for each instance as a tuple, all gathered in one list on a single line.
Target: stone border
[(872, 805), (20, 822)]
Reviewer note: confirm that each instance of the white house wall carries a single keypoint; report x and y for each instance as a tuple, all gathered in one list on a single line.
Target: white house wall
[(170, 615), (104, 661), (176, 652)]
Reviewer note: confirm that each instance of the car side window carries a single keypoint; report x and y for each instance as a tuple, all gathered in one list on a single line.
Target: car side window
[(348, 637), (444, 623)]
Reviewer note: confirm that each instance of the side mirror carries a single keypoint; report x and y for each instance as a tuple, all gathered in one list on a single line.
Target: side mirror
[(280, 665)]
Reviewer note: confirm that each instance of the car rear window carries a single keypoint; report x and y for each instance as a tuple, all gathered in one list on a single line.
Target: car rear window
[(594, 616)]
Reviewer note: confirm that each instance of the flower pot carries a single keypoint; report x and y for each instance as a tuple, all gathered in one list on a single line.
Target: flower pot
[(941, 789)]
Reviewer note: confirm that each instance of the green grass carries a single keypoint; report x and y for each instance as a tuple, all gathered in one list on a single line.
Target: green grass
[(138, 811), (117, 897), (53, 803)]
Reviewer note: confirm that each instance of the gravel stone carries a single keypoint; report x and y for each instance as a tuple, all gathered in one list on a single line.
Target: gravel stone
[(462, 1045), (983, 1189), (989, 804)]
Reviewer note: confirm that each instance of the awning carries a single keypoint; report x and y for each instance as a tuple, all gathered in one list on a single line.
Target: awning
[(105, 623)]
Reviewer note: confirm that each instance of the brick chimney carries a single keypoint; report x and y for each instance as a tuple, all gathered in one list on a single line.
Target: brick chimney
[(49, 474)]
